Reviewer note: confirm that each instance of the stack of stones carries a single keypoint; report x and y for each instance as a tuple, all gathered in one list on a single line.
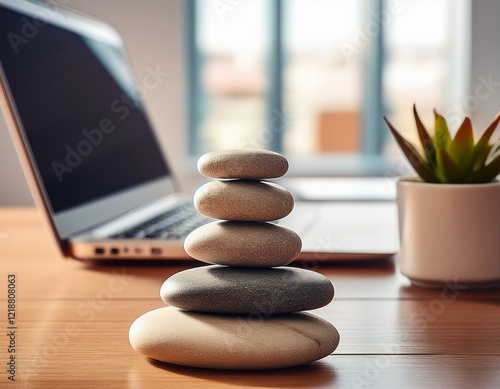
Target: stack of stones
[(245, 310)]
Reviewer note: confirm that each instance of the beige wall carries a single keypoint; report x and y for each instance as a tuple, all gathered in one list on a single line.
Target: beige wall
[(153, 34)]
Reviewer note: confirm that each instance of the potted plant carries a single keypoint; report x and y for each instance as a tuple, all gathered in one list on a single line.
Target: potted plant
[(449, 216)]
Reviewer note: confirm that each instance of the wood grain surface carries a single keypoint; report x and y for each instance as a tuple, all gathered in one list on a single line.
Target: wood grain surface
[(73, 318)]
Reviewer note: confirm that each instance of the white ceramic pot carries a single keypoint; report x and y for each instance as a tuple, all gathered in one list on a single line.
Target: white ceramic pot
[(449, 233)]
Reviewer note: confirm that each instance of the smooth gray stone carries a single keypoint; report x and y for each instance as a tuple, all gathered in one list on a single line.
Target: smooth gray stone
[(252, 244), (243, 164), (217, 341), (266, 291), (243, 201)]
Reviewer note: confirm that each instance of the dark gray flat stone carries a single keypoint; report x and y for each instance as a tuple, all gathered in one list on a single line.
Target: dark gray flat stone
[(262, 291)]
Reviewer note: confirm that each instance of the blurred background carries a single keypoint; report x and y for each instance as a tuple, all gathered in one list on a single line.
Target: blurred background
[(308, 78)]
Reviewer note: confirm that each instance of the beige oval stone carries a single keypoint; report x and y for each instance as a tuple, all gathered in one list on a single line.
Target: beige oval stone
[(243, 164), (234, 243), (243, 201), (217, 341)]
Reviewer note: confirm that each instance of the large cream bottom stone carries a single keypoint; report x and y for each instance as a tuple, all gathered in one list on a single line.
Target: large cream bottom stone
[(232, 341)]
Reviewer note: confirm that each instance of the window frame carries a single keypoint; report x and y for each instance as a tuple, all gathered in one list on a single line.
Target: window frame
[(369, 161)]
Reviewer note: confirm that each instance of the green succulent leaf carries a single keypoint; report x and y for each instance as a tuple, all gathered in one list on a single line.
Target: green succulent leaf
[(494, 152), (461, 148), (416, 160), (488, 173), (452, 160), (483, 148), (425, 139), (449, 170), (442, 137)]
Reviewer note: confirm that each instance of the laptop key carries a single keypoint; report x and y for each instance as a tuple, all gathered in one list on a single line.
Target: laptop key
[(174, 224)]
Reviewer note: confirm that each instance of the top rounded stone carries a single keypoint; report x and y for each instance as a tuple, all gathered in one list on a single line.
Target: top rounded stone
[(243, 164)]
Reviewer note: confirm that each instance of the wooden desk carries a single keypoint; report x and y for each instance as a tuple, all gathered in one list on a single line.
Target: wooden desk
[(73, 320)]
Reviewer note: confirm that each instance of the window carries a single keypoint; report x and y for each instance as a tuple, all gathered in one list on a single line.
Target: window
[(322, 88), (229, 74), (314, 77), (417, 61)]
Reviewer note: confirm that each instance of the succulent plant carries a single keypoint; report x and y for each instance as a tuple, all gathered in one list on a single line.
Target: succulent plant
[(443, 159)]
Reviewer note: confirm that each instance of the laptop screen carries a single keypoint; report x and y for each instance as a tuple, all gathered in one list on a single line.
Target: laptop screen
[(80, 110)]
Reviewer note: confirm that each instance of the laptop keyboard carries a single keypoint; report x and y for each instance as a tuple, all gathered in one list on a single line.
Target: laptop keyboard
[(174, 224)]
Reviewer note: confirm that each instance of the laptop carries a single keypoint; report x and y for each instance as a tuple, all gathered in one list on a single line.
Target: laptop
[(344, 218), (94, 165)]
